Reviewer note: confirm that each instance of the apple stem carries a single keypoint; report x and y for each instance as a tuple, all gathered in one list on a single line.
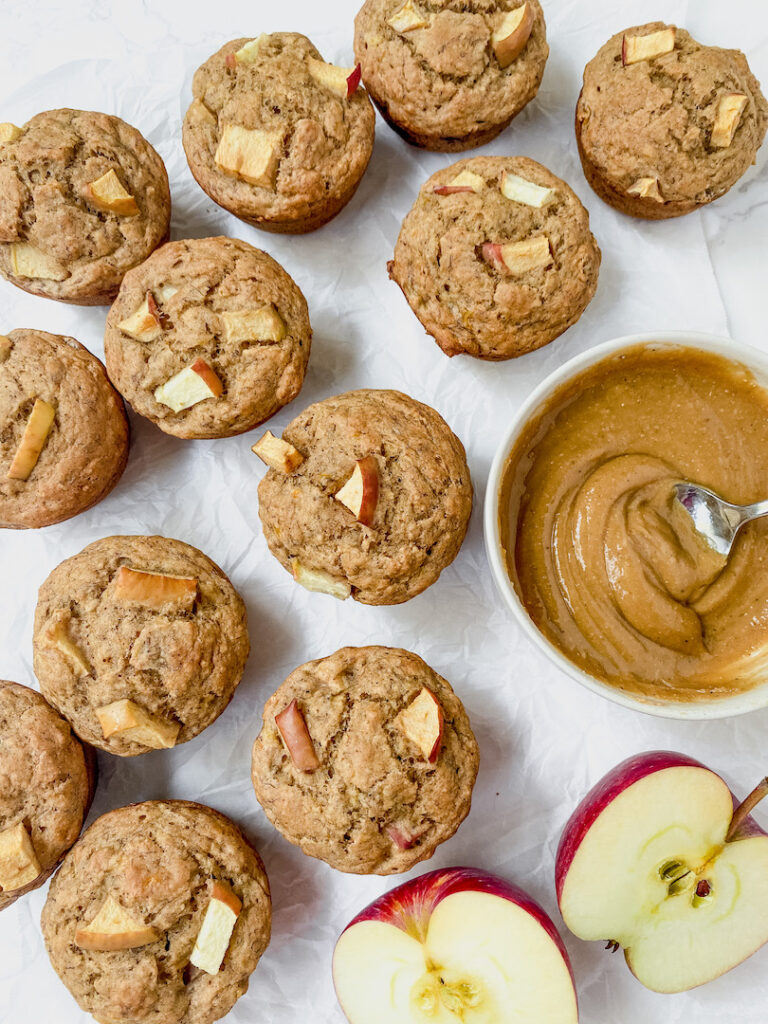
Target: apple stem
[(745, 808)]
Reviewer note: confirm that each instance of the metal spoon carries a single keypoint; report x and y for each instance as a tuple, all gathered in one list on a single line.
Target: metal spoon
[(716, 520)]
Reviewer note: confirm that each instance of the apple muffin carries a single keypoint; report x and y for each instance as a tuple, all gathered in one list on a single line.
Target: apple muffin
[(368, 495), (208, 338), (64, 434), (665, 124), (366, 760), (83, 198), (140, 642), (159, 914), (451, 74), (47, 781), (276, 135), (496, 257)]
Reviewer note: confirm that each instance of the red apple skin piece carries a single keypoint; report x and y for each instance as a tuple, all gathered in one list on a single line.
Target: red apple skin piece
[(451, 190), (409, 906), (293, 729), (402, 839), (605, 792), (365, 479), (354, 81), (231, 61), (202, 369), (491, 253), (510, 47)]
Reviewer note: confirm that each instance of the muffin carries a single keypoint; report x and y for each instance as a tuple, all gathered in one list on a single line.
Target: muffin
[(368, 495), (65, 439), (208, 338), (139, 642), (160, 913), (366, 760), (83, 198), (47, 779), (496, 257), (277, 136), (666, 125), (451, 74)]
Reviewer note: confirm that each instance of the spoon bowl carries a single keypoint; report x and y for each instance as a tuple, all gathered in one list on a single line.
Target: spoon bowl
[(717, 520)]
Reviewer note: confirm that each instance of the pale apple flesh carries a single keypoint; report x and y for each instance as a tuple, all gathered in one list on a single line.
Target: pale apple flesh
[(19, 865), (263, 324), (360, 494), (319, 581), (292, 726), (215, 933), (144, 324), (248, 53), (465, 181), (455, 946), (36, 432), (277, 453), (109, 195), (57, 636), (729, 111), (649, 861), (408, 18), (422, 724), (521, 190), (114, 928), (6, 347), (656, 44), (193, 384), (9, 132), (343, 82), (512, 33), (250, 154), (154, 589), (519, 258), (29, 261), (646, 188), (131, 722)]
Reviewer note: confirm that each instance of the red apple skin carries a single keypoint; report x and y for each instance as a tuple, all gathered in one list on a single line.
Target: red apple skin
[(410, 905), (354, 81), (451, 190), (612, 785)]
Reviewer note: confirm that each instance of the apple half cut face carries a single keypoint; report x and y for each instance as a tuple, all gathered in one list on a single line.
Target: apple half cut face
[(655, 859), (454, 946)]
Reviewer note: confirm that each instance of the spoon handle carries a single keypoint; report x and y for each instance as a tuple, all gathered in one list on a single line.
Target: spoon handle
[(756, 511)]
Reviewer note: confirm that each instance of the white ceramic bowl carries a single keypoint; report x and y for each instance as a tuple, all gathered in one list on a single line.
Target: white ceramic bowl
[(757, 362)]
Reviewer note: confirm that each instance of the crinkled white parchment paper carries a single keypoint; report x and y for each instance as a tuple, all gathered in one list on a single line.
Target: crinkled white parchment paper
[(543, 740)]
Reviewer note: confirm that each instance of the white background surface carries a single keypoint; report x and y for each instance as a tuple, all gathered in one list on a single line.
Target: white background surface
[(543, 740)]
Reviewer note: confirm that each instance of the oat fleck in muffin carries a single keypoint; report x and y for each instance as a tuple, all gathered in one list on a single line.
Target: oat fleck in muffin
[(208, 338), (366, 759), (47, 780), (368, 495), (159, 914), (63, 431), (665, 124), (451, 74), (496, 257), (139, 642), (83, 198), (276, 135)]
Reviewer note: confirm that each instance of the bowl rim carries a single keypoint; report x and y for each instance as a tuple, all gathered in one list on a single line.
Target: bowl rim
[(746, 355)]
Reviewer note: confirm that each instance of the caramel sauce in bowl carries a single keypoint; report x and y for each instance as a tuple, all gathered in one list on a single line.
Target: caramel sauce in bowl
[(600, 567)]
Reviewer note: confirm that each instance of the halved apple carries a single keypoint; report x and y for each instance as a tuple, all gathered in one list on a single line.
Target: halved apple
[(655, 44), (659, 858), (248, 53), (189, 386), (58, 636), (277, 454), (319, 581), (9, 132), (263, 324), (32, 440), (18, 861), (250, 154), (137, 725), (154, 589), (342, 81), (108, 194), (465, 181), (114, 928), (29, 261), (360, 494), (729, 111), (519, 257), (144, 324), (293, 730), (512, 33), (520, 190), (422, 724), (454, 945), (408, 18), (6, 347), (646, 188), (215, 933)]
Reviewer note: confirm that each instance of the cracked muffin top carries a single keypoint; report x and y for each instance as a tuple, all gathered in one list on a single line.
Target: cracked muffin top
[(366, 760), (372, 500), (139, 642), (83, 198), (496, 257), (46, 786), (666, 124), (127, 922), (63, 431), (208, 338), (451, 74), (275, 135)]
